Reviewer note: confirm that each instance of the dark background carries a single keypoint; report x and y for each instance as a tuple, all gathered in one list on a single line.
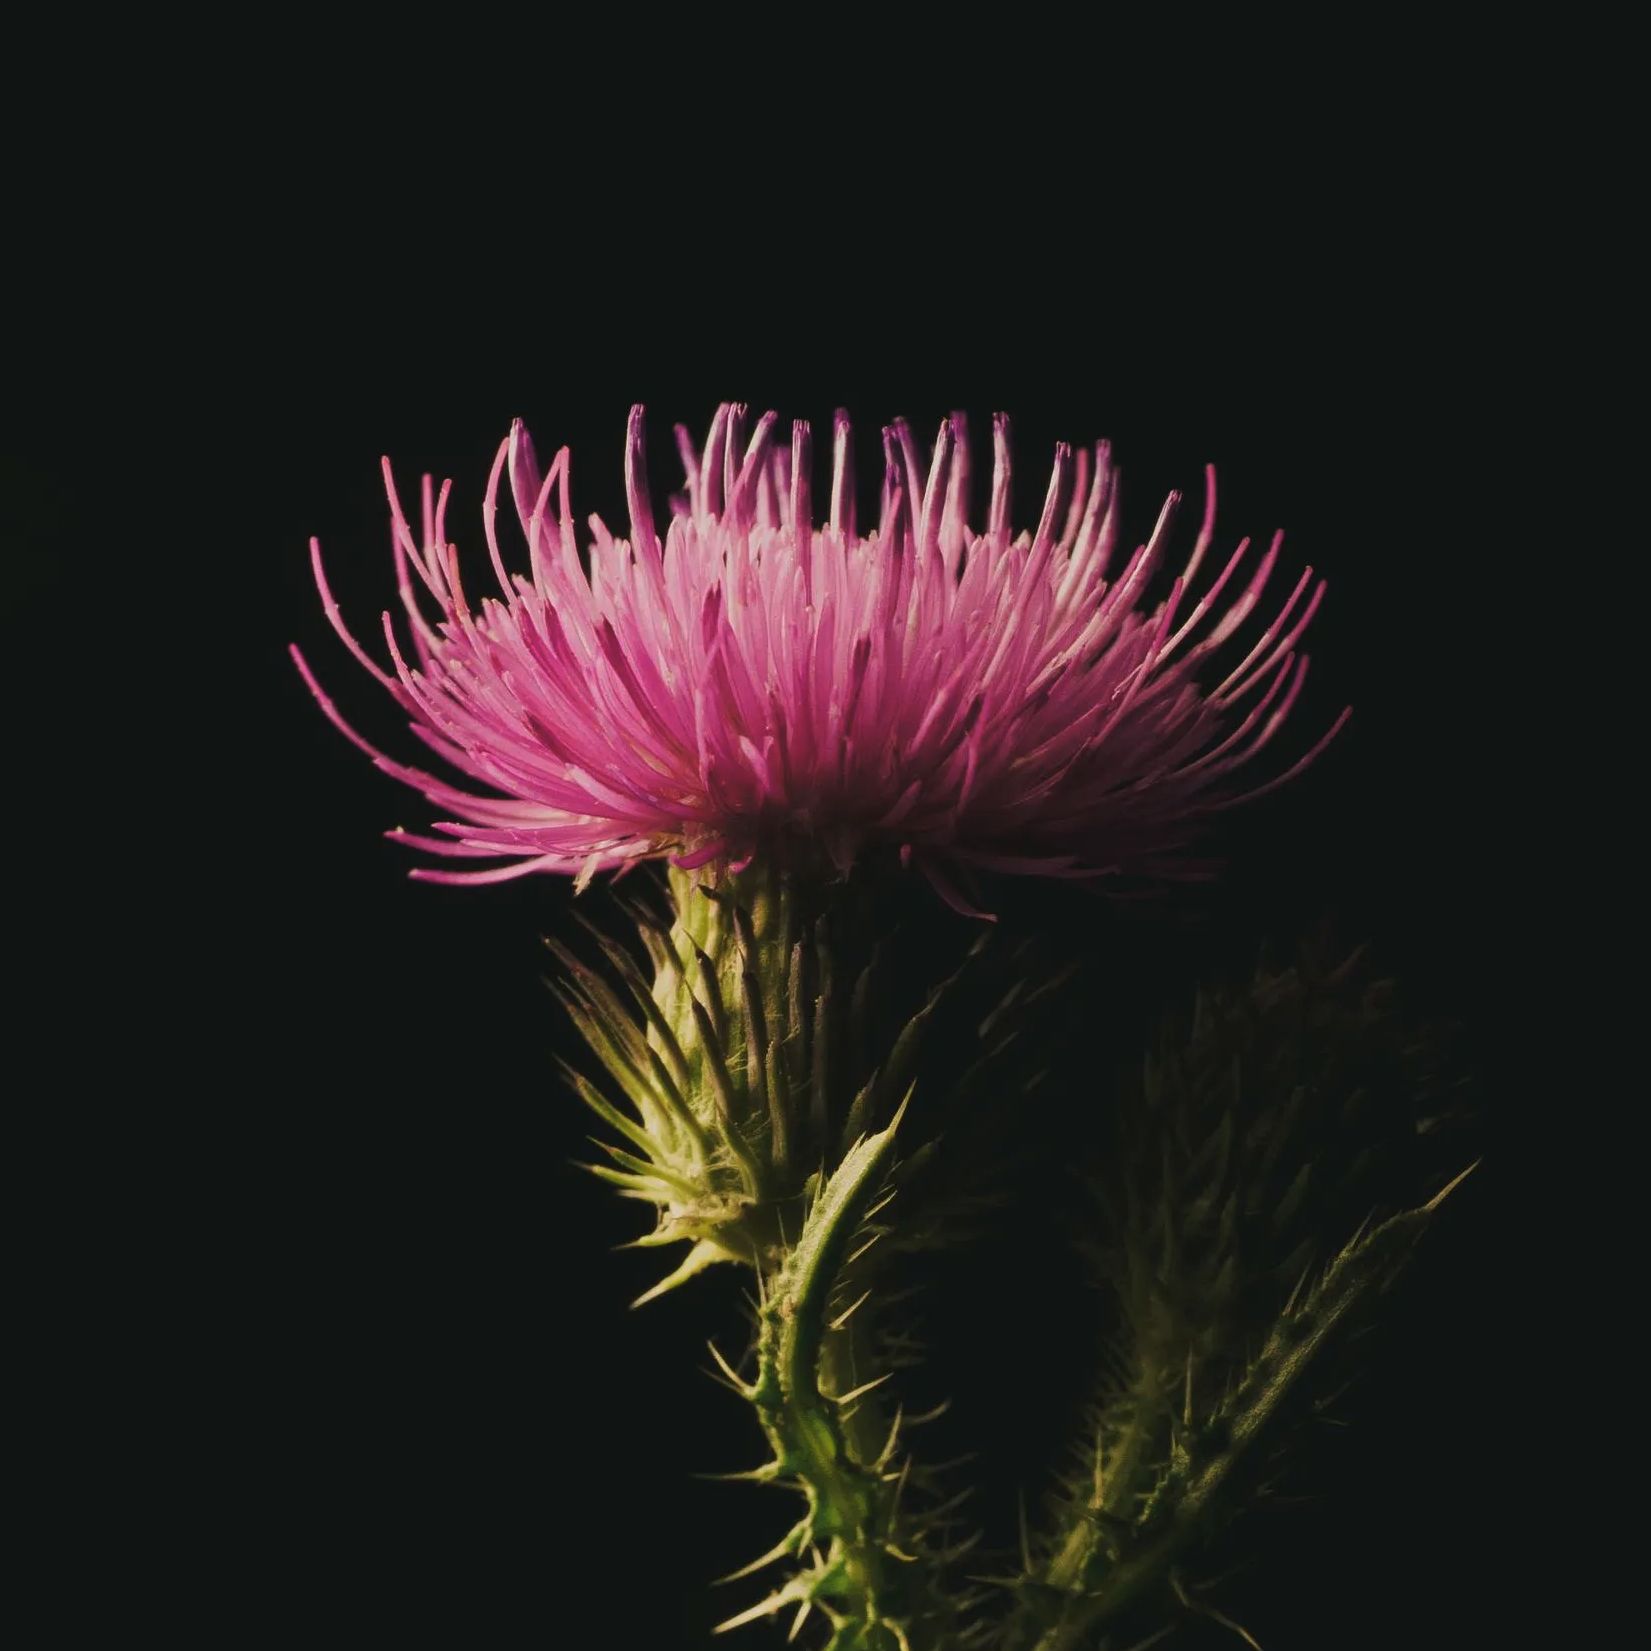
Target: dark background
[(401, 1393)]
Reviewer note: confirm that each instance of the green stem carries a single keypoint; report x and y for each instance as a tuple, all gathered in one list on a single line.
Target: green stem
[(855, 1571), (1116, 1488), (1196, 1492)]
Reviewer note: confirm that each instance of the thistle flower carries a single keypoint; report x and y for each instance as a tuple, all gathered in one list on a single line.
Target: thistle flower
[(747, 683)]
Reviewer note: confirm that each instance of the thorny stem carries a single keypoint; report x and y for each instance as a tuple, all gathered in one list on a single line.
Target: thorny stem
[(1178, 1513), (1115, 1488), (850, 1503)]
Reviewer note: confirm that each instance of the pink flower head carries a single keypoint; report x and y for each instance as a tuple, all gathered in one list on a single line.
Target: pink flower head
[(748, 683)]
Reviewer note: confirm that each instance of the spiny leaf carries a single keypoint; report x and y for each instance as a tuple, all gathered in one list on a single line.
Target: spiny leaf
[(704, 1254)]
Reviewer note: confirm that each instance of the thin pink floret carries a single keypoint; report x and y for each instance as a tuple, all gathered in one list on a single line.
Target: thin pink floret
[(749, 683)]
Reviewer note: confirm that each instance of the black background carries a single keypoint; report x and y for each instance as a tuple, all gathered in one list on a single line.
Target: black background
[(372, 1321)]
